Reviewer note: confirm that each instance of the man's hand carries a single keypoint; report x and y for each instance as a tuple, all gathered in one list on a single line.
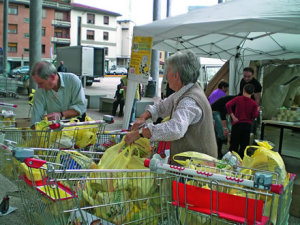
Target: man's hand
[(53, 116), (259, 108), (226, 132), (138, 122), (131, 137), (115, 99), (234, 118)]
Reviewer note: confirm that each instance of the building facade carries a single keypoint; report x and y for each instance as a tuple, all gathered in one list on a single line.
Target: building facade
[(55, 30), (64, 23), (95, 27), (124, 42)]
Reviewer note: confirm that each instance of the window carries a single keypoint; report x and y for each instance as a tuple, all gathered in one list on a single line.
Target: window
[(26, 35), (26, 50), (105, 51), (106, 20), (26, 20), (43, 49), (58, 33), (90, 35), (59, 15), (13, 10), (12, 47), (44, 31), (91, 18), (105, 35), (44, 13), (12, 28)]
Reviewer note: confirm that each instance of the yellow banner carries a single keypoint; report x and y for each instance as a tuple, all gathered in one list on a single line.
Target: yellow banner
[(140, 57)]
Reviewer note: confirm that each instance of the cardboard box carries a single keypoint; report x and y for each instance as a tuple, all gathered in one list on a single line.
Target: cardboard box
[(23, 122)]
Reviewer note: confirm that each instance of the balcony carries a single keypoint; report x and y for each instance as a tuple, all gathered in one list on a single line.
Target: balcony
[(61, 40), (58, 4), (61, 23)]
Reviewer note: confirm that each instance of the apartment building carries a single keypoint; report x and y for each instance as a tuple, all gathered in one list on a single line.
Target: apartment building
[(55, 30), (64, 23), (124, 42), (92, 26)]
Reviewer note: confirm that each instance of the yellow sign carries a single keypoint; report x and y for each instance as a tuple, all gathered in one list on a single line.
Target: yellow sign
[(140, 58)]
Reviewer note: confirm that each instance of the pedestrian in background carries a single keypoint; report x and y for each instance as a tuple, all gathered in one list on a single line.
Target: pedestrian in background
[(246, 110), (219, 92), (62, 68), (119, 100)]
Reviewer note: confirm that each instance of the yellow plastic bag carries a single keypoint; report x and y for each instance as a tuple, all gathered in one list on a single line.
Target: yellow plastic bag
[(264, 158), (33, 174)]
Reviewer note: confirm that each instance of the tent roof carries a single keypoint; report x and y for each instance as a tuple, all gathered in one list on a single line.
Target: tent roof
[(256, 29)]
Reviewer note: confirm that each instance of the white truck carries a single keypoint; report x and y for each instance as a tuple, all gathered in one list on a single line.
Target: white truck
[(85, 61)]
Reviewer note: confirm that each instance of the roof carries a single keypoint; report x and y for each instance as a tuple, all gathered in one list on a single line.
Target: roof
[(93, 9)]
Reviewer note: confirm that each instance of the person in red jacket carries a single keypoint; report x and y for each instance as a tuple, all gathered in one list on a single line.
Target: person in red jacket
[(245, 112)]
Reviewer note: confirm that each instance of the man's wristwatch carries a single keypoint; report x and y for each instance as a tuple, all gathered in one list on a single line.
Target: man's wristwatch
[(62, 116), (141, 132)]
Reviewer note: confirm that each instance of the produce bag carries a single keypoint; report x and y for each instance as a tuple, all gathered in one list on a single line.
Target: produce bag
[(264, 158), (115, 213)]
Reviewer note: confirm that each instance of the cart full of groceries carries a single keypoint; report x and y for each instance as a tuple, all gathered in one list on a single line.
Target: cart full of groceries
[(108, 182)]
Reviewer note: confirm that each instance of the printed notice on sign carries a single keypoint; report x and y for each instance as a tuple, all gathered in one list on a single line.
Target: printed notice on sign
[(139, 68)]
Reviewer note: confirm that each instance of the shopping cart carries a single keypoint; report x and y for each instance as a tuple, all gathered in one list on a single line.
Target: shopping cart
[(7, 115), (79, 196), (205, 194), (60, 134), (38, 185), (78, 135), (108, 139)]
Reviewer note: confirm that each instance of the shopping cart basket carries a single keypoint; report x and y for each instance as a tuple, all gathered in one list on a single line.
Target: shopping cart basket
[(7, 115), (78, 135), (106, 196), (208, 195), (108, 139), (38, 185)]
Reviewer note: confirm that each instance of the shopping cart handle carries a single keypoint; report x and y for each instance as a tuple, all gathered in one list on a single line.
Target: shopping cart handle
[(277, 188), (34, 163), (147, 163), (152, 164)]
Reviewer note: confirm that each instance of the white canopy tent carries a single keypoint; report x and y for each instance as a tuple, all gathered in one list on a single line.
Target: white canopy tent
[(238, 31)]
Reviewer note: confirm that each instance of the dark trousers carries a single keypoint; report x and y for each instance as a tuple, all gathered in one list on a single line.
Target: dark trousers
[(240, 137), (116, 103)]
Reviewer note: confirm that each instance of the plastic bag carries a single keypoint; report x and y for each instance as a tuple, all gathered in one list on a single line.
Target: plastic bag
[(264, 158), (115, 213)]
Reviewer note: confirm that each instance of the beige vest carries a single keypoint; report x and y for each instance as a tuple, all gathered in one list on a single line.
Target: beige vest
[(200, 137)]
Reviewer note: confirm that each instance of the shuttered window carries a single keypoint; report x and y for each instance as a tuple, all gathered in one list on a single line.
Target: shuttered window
[(12, 47), (90, 35), (12, 28), (91, 18)]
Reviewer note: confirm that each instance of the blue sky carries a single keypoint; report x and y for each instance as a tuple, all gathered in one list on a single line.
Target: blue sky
[(141, 10)]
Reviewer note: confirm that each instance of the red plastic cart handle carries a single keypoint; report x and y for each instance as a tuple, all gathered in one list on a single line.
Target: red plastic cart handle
[(277, 188), (34, 163), (146, 163)]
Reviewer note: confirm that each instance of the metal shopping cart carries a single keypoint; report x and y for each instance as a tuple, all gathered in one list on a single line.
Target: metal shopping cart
[(60, 134), (109, 138), (7, 115), (38, 191), (80, 196), (205, 194)]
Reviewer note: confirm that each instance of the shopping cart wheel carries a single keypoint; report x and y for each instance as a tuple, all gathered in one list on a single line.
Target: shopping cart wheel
[(4, 206)]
